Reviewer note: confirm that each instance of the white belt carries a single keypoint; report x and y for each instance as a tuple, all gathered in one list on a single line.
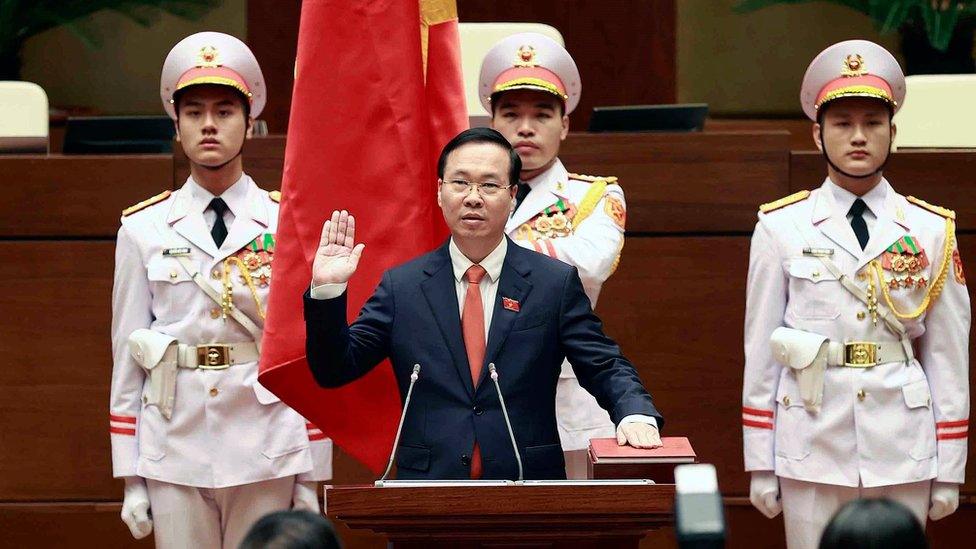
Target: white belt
[(865, 354), (213, 356)]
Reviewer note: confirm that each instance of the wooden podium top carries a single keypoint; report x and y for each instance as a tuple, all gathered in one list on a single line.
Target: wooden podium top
[(577, 514)]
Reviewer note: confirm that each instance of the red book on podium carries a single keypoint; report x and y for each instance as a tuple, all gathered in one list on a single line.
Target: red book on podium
[(609, 460)]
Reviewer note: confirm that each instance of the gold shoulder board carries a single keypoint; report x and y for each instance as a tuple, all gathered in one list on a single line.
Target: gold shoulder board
[(937, 210), (785, 201), (593, 178), (275, 195), (146, 203)]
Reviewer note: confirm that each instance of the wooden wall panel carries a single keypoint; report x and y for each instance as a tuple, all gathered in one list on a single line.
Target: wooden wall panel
[(692, 182), (625, 51), (943, 177), (675, 183), (76, 195)]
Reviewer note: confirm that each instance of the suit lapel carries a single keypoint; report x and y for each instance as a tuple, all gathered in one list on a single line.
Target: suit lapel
[(887, 229), (189, 223), (512, 284), (542, 195), (249, 225), (833, 225), (441, 294)]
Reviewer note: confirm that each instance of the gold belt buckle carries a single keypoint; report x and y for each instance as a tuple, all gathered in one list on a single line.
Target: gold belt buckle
[(860, 354), (213, 357)]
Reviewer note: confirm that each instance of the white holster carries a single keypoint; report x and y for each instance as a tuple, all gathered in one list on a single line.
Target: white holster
[(806, 354), (149, 348)]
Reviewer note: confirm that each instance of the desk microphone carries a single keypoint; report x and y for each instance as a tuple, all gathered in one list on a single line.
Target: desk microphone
[(403, 415), (508, 423)]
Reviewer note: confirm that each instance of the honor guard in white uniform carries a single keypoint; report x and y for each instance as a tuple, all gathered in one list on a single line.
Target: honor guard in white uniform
[(857, 322), (204, 449), (530, 84)]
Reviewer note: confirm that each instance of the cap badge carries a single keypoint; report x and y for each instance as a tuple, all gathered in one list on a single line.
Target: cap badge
[(854, 65), (525, 56), (208, 57)]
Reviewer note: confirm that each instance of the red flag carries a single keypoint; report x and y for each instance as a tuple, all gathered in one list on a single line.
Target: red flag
[(378, 92)]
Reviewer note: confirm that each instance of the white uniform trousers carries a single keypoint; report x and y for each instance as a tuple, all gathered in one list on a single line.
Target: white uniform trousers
[(809, 506), (187, 517)]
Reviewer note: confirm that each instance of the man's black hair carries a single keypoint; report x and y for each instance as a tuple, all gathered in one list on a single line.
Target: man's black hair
[(245, 101), (291, 530), (874, 523), (495, 97), (482, 135)]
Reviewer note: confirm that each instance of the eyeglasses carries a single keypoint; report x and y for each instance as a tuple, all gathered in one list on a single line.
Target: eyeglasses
[(460, 186)]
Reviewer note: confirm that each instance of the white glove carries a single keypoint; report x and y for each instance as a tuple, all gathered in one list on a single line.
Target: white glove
[(945, 500), (305, 497), (135, 507), (764, 493)]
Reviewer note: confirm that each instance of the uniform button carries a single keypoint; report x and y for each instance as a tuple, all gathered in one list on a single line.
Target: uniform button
[(815, 274), (860, 315), (465, 460), (215, 274), (215, 313), (478, 410), (145, 399), (861, 394), (173, 275), (786, 401), (214, 391)]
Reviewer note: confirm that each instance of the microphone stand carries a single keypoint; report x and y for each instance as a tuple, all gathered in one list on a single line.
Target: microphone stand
[(406, 403), (508, 423)]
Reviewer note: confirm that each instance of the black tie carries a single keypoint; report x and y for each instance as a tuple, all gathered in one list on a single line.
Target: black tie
[(857, 222), (219, 230), (520, 194)]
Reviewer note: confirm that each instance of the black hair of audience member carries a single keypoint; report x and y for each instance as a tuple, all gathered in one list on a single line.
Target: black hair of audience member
[(874, 524), (291, 530)]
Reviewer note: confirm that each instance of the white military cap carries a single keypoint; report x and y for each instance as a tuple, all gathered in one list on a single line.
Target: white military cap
[(530, 61), (853, 68), (212, 58)]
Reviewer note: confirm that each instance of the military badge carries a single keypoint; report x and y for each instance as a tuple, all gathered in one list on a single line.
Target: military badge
[(854, 66), (614, 208), (957, 267), (906, 260), (208, 57), (256, 257), (525, 56)]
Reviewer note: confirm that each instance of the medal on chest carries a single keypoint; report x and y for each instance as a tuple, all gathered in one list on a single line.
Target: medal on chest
[(556, 221), (253, 263), (904, 262)]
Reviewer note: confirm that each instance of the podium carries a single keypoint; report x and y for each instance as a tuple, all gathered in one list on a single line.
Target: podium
[(577, 514)]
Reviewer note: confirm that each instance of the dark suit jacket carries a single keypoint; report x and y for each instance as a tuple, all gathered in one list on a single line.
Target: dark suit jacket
[(412, 318)]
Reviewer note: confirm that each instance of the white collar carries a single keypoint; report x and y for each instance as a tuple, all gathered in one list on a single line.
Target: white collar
[(844, 199), (492, 263), (235, 196)]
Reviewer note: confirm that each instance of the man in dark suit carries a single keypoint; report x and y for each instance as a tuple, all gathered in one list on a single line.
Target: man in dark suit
[(477, 300)]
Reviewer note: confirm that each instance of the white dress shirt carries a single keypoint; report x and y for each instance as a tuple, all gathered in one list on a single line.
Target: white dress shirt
[(874, 199), (235, 197)]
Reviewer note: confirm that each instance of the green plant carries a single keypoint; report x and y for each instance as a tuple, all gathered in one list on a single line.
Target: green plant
[(938, 17), (22, 19)]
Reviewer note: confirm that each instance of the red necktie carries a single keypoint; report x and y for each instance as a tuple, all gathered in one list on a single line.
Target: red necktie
[(473, 331)]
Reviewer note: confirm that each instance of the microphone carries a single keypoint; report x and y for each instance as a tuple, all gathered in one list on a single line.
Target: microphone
[(403, 415), (508, 422)]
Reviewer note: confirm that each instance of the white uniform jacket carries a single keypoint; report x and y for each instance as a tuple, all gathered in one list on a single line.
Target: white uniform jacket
[(893, 423), (226, 429), (545, 222)]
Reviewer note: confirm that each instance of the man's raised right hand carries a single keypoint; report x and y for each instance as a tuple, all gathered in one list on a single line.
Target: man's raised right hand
[(338, 254)]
